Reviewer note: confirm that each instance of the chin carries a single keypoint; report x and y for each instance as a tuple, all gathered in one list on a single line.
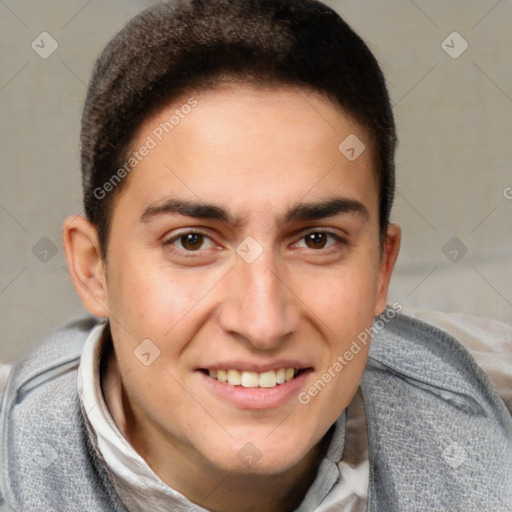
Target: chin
[(256, 455)]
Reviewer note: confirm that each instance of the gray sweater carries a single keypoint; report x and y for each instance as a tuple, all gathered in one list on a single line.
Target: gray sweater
[(440, 438)]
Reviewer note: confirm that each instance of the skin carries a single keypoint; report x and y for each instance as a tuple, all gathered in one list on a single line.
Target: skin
[(256, 153)]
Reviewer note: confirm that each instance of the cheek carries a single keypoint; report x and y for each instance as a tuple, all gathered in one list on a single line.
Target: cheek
[(343, 299), (343, 304), (151, 298)]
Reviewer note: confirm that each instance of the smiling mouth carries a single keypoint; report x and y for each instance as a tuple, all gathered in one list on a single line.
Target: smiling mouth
[(268, 379)]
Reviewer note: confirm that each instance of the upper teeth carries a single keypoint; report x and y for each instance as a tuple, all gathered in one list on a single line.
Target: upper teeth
[(267, 379)]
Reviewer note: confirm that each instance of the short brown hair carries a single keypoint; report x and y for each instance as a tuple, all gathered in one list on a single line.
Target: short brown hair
[(176, 46)]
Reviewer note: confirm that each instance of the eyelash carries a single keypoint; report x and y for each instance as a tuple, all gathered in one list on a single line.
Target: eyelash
[(328, 250)]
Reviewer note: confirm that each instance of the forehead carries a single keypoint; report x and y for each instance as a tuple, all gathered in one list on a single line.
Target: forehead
[(239, 142)]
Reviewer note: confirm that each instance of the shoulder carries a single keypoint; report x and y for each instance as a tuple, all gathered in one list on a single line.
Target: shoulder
[(432, 412), (56, 350), (41, 429), (424, 352), (489, 341)]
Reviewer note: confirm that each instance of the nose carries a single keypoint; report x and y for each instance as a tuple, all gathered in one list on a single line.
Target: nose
[(260, 305)]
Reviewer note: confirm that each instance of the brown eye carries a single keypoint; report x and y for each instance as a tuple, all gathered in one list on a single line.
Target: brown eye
[(321, 241), (316, 240), (192, 241)]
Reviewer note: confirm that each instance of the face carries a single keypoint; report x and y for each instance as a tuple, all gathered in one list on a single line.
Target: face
[(244, 245)]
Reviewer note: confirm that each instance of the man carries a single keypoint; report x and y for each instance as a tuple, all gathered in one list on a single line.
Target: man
[(238, 172)]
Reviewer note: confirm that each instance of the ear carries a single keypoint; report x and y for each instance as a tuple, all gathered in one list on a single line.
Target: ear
[(389, 255), (85, 265)]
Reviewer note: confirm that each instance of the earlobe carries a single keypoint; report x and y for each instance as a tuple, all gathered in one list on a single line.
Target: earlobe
[(389, 256), (85, 264)]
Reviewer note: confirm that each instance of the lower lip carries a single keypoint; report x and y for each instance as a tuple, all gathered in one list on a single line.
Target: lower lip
[(257, 398)]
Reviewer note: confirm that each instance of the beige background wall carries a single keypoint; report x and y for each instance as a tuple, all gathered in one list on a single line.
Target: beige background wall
[(454, 118)]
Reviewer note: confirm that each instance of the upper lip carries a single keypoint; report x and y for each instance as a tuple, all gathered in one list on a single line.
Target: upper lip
[(245, 366)]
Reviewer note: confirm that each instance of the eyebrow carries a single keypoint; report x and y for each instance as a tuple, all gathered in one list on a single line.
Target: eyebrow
[(301, 212)]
